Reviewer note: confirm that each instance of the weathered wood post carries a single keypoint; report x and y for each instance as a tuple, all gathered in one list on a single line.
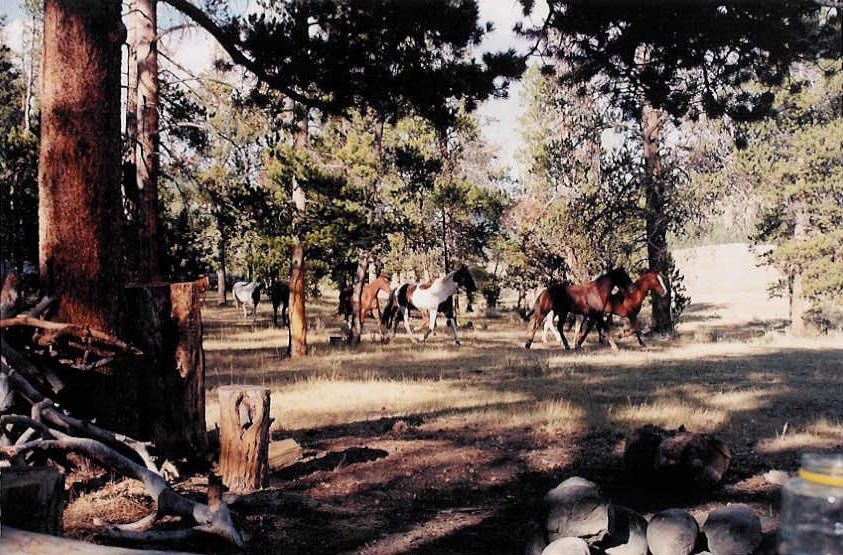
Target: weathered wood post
[(244, 436), (33, 499)]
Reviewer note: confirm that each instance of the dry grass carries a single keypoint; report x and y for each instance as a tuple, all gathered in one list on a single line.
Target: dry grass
[(458, 443)]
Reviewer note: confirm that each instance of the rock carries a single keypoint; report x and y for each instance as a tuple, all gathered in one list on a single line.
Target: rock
[(627, 533), (672, 532), (536, 541), (566, 546), (733, 530), (776, 477), (575, 508)]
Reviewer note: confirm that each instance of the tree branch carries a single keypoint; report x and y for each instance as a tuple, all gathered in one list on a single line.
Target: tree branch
[(230, 45)]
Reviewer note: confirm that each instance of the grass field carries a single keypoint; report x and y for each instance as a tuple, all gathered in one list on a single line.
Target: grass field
[(430, 448)]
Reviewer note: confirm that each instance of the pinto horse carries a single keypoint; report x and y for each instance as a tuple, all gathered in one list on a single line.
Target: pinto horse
[(368, 300), (629, 305), (587, 299), (431, 297)]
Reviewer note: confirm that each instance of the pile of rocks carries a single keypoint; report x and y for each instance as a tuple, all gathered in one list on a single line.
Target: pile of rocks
[(578, 520)]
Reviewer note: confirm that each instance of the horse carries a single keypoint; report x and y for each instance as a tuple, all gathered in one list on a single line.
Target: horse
[(431, 297), (279, 295), (587, 299), (248, 295), (368, 300), (202, 285), (629, 305)]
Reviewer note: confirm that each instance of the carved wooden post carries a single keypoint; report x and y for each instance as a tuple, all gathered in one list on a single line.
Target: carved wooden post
[(244, 436)]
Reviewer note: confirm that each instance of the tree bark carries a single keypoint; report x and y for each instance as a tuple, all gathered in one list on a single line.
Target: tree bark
[(33, 499), (298, 314), (167, 327), (356, 297), (798, 303), (79, 166), (131, 195), (656, 222), (146, 159), (221, 253), (244, 437)]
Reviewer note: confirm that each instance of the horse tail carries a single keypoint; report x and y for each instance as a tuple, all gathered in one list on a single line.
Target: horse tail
[(528, 314), (389, 309)]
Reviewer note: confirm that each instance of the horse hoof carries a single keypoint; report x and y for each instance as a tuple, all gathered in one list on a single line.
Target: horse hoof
[(457, 343), (527, 345)]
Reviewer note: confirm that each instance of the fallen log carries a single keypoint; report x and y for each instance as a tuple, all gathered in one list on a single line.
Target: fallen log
[(213, 518), (33, 499), (284, 453), (52, 416), (30, 543), (60, 329)]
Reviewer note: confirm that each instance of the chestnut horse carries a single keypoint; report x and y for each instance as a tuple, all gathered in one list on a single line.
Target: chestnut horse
[(629, 305), (202, 285), (368, 300), (587, 299)]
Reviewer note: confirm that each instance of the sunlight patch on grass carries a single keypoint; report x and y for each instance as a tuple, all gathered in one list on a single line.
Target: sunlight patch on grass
[(320, 402), (669, 414), (555, 416)]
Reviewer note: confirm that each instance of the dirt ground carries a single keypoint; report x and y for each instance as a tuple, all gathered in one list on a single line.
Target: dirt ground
[(436, 449)]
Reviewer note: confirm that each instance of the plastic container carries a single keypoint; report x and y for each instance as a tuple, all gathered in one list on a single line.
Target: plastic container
[(812, 508)]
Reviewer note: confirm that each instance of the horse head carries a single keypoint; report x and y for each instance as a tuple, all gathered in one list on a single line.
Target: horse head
[(464, 279), (383, 283), (655, 282)]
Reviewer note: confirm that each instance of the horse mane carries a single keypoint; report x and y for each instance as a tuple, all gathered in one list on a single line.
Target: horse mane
[(618, 276)]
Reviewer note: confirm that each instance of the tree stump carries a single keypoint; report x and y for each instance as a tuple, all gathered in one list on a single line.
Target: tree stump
[(33, 499), (676, 458), (244, 437), (166, 325)]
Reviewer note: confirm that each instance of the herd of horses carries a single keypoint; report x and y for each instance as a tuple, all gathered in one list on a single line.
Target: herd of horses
[(590, 304)]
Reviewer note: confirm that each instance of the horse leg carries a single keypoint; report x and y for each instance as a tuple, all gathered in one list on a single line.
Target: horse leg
[(560, 327), (636, 328), (432, 323), (407, 325), (604, 326), (538, 318), (549, 327), (452, 321), (589, 323)]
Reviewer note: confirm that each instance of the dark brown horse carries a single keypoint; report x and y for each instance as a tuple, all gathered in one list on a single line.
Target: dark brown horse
[(368, 300), (628, 306), (588, 299)]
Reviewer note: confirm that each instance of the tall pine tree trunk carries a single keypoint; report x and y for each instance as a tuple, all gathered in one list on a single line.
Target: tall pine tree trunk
[(79, 165), (657, 254), (298, 316), (798, 303), (363, 262), (131, 195), (222, 247), (146, 160)]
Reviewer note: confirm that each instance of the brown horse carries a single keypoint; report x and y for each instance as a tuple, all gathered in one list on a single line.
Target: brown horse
[(368, 300), (202, 285), (588, 299), (628, 306)]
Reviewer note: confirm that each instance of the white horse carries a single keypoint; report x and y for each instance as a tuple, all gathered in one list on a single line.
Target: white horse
[(430, 299), (248, 295), (550, 326)]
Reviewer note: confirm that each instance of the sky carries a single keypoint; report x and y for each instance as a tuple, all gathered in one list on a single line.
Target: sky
[(195, 50)]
